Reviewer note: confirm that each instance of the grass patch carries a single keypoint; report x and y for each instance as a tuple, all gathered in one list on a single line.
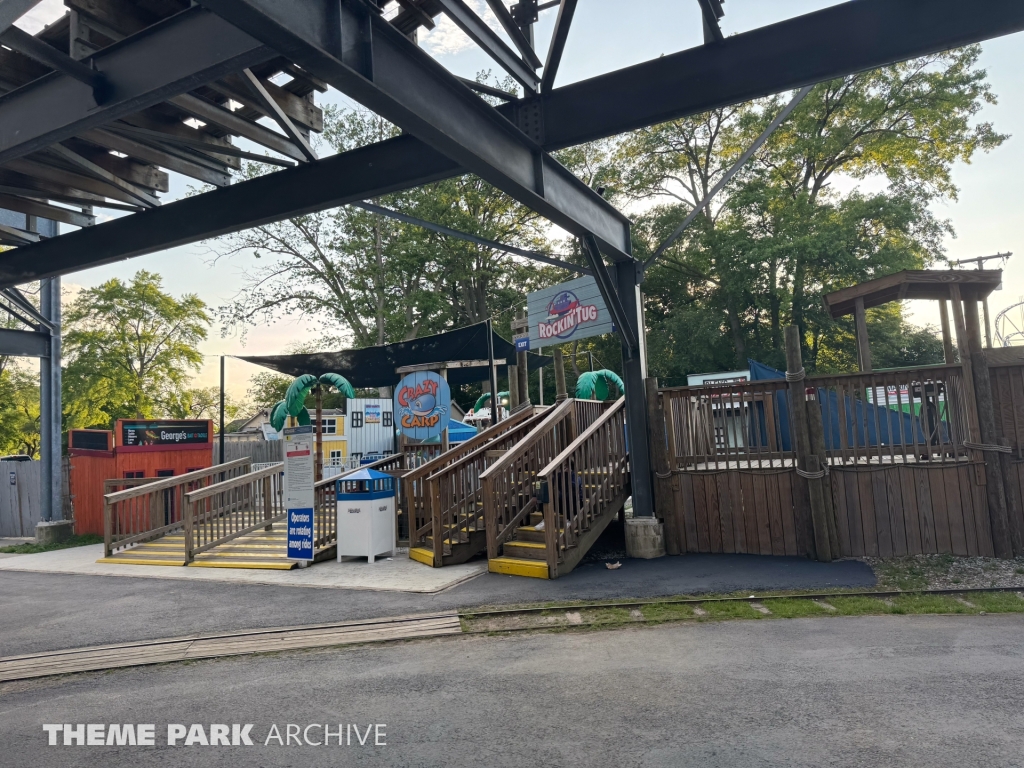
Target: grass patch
[(910, 604), (606, 616), (858, 606), (997, 602), (667, 612), (733, 609), (30, 548), (788, 608)]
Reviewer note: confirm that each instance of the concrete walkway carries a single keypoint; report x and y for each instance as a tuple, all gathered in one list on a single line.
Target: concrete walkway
[(397, 574)]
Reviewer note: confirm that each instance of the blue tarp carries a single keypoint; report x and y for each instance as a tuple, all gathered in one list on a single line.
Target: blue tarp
[(866, 424)]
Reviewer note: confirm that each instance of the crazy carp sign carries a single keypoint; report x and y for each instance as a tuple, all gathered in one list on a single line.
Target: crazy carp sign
[(423, 405)]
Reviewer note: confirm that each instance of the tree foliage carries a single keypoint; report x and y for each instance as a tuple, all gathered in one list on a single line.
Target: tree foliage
[(130, 349)]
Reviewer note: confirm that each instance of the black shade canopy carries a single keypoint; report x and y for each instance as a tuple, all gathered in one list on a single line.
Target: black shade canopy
[(375, 366)]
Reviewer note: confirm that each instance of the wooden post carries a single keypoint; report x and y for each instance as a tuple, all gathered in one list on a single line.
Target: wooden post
[(988, 324), (268, 501), (947, 339), (663, 479), (863, 346), (108, 532), (965, 361), (1014, 503), (816, 431), (319, 467), (513, 387), (189, 514), (806, 461), (995, 484), (560, 391)]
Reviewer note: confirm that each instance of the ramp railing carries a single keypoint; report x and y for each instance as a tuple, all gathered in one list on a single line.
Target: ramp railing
[(155, 506), (236, 507), (585, 480), (508, 483), (453, 495)]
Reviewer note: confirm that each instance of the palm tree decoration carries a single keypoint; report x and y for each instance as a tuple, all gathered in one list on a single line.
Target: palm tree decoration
[(294, 405), (484, 400), (593, 385)]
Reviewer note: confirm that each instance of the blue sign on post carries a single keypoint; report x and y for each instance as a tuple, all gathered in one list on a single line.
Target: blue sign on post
[(423, 405), (522, 343)]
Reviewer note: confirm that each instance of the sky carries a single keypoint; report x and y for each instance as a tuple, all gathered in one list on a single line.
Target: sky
[(985, 216)]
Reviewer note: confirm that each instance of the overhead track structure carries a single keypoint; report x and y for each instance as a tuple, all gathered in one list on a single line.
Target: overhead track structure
[(98, 108)]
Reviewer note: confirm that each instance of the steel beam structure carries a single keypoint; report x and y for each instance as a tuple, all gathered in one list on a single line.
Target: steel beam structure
[(24, 343), (50, 405), (362, 55), (769, 60), (165, 60), (12, 10)]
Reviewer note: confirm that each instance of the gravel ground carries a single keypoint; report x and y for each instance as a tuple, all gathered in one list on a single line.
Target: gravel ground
[(947, 572)]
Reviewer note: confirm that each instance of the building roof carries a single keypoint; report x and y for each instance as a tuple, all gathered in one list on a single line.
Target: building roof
[(930, 284)]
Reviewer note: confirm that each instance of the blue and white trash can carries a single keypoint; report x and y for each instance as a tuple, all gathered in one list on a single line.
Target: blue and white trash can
[(366, 514)]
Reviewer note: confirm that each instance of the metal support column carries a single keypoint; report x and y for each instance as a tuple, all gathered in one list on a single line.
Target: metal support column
[(629, 275), (50, 408)]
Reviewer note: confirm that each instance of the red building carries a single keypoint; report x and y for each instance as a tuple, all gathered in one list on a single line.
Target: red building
[(136, 448)]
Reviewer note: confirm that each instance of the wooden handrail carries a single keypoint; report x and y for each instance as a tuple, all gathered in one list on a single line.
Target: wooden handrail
[(174, 480), (559, 412), (234, 482), (606, 416)]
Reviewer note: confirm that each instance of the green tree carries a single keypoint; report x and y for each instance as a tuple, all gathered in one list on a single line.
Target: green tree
[(128, 347), (201, 403), (19, 412)]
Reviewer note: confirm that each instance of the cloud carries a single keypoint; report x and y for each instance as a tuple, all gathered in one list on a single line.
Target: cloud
[(447, 39), (47, 12)]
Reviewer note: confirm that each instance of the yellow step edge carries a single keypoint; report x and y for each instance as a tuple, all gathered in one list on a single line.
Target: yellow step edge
[(135, 561), (514, 566), (422, 555), (264, 566), (526, 544)]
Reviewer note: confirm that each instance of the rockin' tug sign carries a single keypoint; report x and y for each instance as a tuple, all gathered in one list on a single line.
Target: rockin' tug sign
[(423, 405), (567, 312)]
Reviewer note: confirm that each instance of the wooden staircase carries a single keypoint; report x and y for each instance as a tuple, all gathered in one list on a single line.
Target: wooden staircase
[(578, 491)]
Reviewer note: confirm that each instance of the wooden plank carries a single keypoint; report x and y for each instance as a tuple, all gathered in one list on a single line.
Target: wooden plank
[(689, 511), (700, 504), (776, 532), (967, 505), (954, 511), (983, 524), (764, 533), (752, 545), (883, 529), (922, 483), (936, 480), (785, 480), (714, 512), (838, 481), (911, 513), (725, 506), (897, 521), (866, 510), (739, 539), (851, 482)]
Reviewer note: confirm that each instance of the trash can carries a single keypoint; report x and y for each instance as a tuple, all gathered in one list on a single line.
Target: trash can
[(366, 514)]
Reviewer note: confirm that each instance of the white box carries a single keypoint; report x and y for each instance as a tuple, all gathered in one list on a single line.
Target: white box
[(366, 521)]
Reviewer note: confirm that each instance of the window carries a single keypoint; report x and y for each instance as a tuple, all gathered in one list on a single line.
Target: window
[(165, 473), (329, 426), (357, 419), (134, 473), (387, 419)]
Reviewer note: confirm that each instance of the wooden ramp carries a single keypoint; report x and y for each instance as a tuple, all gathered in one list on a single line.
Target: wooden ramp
[(260, 549)]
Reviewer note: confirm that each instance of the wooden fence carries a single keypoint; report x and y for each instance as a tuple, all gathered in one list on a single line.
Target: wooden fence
[(21, 500), (903, 471)]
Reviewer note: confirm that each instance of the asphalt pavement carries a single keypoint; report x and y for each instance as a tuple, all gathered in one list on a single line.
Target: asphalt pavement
[(871, 691), (45, 612)]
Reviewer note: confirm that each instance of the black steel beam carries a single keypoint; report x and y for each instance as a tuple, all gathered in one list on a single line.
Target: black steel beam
[(390, 166), (667, 88), (165, 60), (566, 10), (405, 85), (24, 343), (476, 29), (837, 41), (12, 10), (21, 41)]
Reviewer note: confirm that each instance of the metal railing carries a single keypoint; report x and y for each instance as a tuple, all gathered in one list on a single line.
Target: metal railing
[(585, 481), (154, 507), (508, 483)]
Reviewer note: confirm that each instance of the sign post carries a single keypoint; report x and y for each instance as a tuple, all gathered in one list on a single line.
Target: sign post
[(298, 491)]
